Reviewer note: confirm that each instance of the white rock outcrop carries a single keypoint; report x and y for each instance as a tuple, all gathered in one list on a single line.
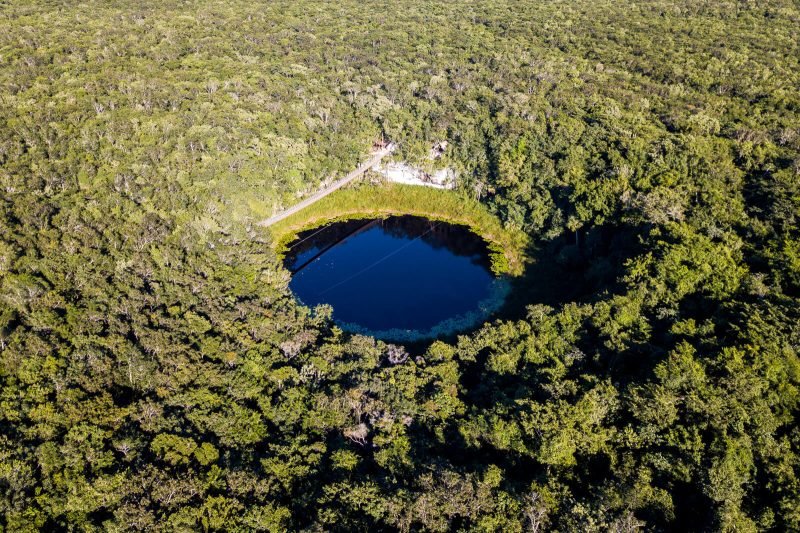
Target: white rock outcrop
[(404, 173)]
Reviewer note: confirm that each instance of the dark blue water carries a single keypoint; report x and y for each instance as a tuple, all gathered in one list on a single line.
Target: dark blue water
[(401, 277)]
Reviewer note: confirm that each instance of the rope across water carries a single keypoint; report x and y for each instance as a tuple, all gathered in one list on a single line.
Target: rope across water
[(379, 261)]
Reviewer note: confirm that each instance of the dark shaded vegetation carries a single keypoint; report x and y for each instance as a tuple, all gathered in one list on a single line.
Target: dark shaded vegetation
[(155, 373), (587, 265)]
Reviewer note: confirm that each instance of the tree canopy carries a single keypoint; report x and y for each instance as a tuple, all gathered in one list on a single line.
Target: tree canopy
[(156, 373)]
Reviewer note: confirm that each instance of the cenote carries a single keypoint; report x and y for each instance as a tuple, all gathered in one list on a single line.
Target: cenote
[(399, 278)]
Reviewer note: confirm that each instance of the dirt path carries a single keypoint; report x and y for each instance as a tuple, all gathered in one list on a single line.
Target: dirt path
[(374, 160)]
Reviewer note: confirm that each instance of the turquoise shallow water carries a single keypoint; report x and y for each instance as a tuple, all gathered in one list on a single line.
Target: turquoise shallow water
[(400, 278)]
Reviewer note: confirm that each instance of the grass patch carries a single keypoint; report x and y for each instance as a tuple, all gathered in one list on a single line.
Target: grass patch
[(506, 245)]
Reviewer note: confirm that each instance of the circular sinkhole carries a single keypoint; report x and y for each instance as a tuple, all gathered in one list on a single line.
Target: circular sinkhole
[(400, 278)]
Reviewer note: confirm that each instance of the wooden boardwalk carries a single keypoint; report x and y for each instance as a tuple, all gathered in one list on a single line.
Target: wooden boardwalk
[(338, 184)]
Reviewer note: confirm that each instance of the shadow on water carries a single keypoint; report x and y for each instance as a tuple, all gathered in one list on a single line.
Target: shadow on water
[(454, 238)]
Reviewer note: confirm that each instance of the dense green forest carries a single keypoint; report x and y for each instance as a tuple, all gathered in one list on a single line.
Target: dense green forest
[(156, 373)]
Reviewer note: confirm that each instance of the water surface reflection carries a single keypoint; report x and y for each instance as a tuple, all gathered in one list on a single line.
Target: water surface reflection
[(400, 278)]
